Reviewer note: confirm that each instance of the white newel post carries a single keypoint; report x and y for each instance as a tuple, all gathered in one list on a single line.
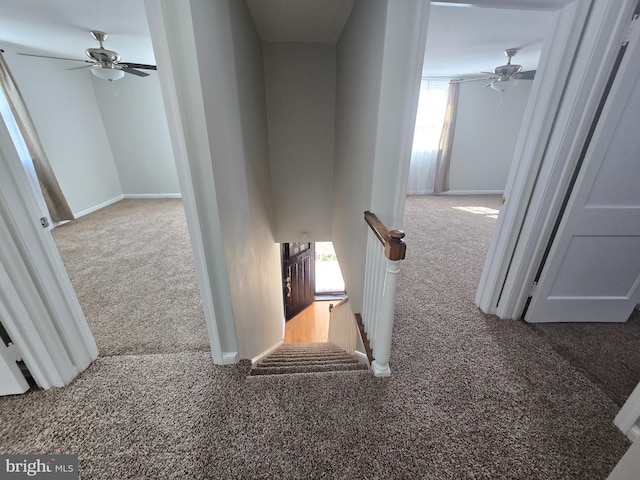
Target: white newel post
[(381, 277), (382, 341)]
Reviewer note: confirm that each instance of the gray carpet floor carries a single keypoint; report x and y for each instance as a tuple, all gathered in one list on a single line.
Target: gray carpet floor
[(471, 396), (131, 265), (607, 353)]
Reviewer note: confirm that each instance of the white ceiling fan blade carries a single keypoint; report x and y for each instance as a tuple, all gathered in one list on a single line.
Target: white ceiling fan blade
[(84, 66), (55, 58), (476, 79)]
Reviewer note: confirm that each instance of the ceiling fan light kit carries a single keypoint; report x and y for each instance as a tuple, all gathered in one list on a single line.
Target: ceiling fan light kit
[(109, 74), (504, 85)]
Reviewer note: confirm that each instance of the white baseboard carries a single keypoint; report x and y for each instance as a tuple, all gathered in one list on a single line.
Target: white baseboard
[(259, 358), (229, 358), (152, 195), (97, 207), (361, 357)]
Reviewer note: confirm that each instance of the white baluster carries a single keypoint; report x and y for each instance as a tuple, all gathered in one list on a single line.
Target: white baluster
[(380, 261)]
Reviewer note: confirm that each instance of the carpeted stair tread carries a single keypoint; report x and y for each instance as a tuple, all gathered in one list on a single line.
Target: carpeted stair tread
[(301, 356), (308, 368), (285, 350), (294, 347), (307, 358), (309, 345), (310, 361)]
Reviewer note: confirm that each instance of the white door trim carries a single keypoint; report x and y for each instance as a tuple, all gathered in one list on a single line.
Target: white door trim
[(601, 222), (544, 99), (556, 123), (400, 91), (38, 306), (628, 418), (12, 381), (182, 95), (594, 62)]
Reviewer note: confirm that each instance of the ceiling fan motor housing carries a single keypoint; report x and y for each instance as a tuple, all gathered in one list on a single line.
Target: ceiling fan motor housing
[(103, 55), (507, 71)]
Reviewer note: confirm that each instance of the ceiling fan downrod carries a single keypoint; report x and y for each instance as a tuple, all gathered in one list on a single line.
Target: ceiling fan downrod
[(99, 36)]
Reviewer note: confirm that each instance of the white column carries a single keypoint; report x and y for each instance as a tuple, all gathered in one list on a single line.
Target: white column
[(382, 342)]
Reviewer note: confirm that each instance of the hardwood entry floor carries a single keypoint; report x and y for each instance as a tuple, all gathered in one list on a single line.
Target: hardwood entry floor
[(311, 325)]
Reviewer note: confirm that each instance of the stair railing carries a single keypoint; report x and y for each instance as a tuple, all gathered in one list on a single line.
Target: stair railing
[(382, 268)]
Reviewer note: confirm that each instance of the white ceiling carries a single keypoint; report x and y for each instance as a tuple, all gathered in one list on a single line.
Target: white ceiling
[(461, 40), (300, 20), (464, 41), (61, 27)]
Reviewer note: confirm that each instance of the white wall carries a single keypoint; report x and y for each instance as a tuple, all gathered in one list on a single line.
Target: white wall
[(300, 89), (358, 69), (63, 106), (379, 62), (136, 126), (232, 78), (487, 127)]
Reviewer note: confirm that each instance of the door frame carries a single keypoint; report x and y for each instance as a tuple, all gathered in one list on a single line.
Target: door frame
[(12, 382), (628, 418), (286, 260), (174, 49), (576, 66), (38, 306), (596, 153)]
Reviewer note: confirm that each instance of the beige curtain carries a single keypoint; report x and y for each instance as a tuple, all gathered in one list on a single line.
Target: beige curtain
[(56, 203), (443, 163)]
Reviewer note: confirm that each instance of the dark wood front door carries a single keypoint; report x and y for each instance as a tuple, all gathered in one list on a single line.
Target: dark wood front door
[(298, 267)]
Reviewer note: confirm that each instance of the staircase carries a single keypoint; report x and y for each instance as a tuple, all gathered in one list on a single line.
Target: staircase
[(307, 358)]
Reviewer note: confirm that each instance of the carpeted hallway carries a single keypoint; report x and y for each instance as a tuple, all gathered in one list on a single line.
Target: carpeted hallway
[(470, 396)]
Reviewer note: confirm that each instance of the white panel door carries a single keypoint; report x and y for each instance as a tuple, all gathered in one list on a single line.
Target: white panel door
[(593, 268), (11, 379)]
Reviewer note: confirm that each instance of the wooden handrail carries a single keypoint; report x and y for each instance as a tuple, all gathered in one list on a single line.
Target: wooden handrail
[(392, 240), (332, 307), (377, 226)]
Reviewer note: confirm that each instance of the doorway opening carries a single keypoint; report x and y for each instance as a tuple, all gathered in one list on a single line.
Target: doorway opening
[(312, 282), (483, 122), (329, 281), (136, 283)]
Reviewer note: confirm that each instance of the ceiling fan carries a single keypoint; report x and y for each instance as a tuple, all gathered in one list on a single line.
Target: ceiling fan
[(505, 77), (104, 63)]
